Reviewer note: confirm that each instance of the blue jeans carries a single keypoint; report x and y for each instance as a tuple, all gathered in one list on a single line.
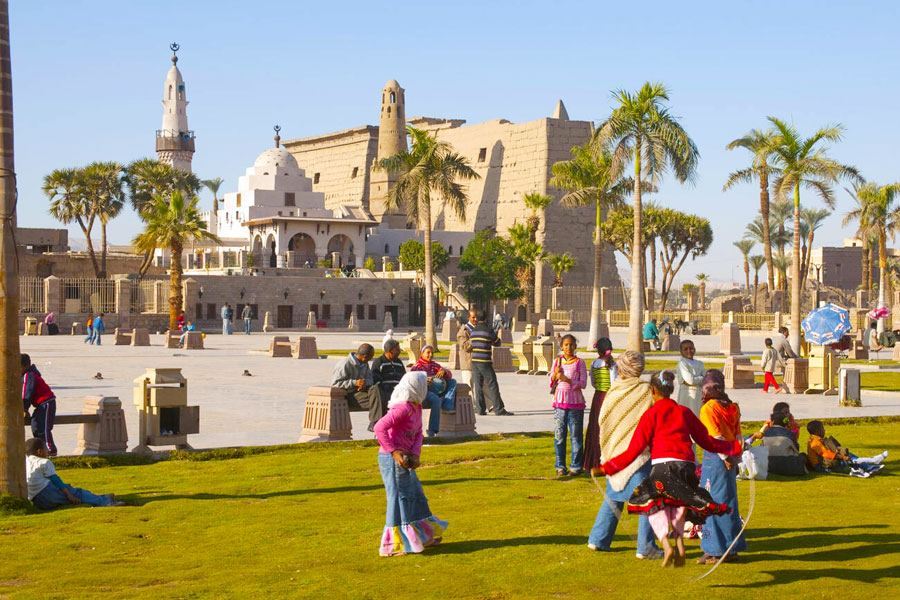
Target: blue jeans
[(95, 336), (569, 421), (605, 525), (437, 403), (247, 326), (90, 335), (51, 497)]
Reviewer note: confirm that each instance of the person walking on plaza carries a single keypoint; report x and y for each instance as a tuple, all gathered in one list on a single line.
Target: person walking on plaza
[(484, 378), (226, 319), (37, 394), (689, 378), (464, 347), (771, 360), (97, 329), (246, 315), (782, 345), (409, 525), (89, 329), (568, 377), (627, 399), (354, 375)]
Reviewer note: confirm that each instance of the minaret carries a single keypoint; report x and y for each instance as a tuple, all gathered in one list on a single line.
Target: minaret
[(391, 141), (175, 142)]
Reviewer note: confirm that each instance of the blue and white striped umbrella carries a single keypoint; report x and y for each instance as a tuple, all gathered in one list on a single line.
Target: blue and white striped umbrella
[(826, 325)]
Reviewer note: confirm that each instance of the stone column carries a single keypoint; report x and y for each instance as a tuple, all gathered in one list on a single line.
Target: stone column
[(335, 260), (53, 294), (692, 299), (190, 293), (649, 297), (554, 298), (778, 320), (384, 263), (861, 298), (451, 283), (123, 298)]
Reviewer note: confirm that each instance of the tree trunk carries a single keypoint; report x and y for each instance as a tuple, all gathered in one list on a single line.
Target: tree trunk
[(652, 305), (12, 425), (867, 268), (764, 213), (430, 337), (636, 314), (93, 255), (538, 285), (747, 273), (176, 299), (796, 296), (596, 317), (756, 292), (702, 295), (103, 250), (882, 265)]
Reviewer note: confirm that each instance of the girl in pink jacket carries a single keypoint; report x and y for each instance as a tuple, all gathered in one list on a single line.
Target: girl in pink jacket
[(409, 525)]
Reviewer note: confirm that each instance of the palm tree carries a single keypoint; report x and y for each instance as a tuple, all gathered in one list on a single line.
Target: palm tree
[(428, 167), (881, 214), (538, 204), (756, 261), (865, 233), (702, 278), (804, 163), (813, 219), (561, 264), (169, 223), (780, 212), (68, 203), (759, 143), (103, 189), (745, 246), (213, 185), (782, 263), (529, 252), (641, 129), (588, 180)]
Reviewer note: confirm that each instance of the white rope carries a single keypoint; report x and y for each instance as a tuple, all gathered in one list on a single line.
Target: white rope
[(740, 533)]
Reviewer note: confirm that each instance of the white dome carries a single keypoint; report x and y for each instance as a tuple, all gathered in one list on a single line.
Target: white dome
[(276, 157)]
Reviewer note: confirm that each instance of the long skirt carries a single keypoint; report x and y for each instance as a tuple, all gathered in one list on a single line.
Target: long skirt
[(720, 530), (409, 525), (674, 485), (592, 434)]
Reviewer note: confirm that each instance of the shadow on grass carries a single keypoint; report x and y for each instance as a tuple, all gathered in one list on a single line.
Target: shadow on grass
[(783, 576), (478, 545)]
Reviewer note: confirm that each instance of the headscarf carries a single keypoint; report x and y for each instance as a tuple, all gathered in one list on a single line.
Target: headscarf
[(714, 386), (50, 318), (412, 388), (630, 364)]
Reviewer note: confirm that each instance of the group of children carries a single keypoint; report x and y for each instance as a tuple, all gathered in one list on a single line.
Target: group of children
[(95, 328)]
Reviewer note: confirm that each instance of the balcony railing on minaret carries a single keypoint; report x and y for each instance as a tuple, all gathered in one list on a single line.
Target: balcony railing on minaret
[(169, 139)]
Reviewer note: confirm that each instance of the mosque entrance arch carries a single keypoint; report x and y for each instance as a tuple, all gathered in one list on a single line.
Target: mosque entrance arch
[(271, 246), (304, 248), (343, 245)]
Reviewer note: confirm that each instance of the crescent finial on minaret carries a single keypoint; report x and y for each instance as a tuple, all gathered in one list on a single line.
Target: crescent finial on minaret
[(277, 128), (174, 47)]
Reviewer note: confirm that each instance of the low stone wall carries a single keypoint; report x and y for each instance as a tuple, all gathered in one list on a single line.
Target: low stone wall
[(151, 322)]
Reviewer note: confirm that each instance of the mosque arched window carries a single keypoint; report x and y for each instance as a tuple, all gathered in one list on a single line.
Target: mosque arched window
[(393, 97)]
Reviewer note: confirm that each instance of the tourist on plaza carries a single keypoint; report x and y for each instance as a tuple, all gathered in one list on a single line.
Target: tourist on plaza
[(689, 378), (568, 377), (354, 375), (627, 399), (870, 338), (388, 335), (46, 490), (770, 361), (827, 455), (89, 328), (722, 419), (484, 378), (603, 373), (464, 349), (227, 315), (97, 329), (246, 315), (781, 344), (409, 525), (651, 333), (388, 370), (179, 321), (441, 389), (50, 324), (37, 394), (189, 327)]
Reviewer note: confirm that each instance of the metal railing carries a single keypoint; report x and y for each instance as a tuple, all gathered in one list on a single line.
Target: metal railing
[(31, 294), (87, 295), (143, 296)]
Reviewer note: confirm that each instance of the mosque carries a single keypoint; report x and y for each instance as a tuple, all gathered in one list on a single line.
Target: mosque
[(322, 197)]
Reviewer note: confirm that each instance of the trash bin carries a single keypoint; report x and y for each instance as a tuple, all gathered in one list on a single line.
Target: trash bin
[(30, 326), (849, 388)]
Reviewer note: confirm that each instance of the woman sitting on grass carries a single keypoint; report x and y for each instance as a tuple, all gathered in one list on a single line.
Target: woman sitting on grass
[(409, 524), (669, 430)]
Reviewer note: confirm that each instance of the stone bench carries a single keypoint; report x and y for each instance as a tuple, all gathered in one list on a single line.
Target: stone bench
[(131, 337), (193, 340), (502, 358), (102, 426), (326, 415), (281, 346)]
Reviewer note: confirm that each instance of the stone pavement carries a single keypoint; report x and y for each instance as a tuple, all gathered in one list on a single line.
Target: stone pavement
[(267, 408)]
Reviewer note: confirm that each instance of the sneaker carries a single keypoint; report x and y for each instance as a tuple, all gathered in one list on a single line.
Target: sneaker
[(651, 554), (575, 472), (880, 458), (856, 472), (597, 548)]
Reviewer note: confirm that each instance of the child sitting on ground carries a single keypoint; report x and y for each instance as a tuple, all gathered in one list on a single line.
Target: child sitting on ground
[(46, 490), (770, 361), (826, 455), (672, 486)]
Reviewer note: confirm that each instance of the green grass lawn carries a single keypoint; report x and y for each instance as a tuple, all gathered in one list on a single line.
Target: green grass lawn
[(305, 521), (875, 380)]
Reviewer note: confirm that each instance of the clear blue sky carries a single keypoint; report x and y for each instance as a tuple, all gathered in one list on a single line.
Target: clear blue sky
[(88, 81)]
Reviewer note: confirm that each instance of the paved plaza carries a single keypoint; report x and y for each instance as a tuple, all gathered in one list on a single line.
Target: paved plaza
[(267, 408)]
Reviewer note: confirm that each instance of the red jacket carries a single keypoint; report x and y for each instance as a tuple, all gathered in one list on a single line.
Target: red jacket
[(430, 367), (35, 390), (668, 428)]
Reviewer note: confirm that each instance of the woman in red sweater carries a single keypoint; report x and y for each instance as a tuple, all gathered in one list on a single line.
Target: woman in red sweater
[(669, 429)]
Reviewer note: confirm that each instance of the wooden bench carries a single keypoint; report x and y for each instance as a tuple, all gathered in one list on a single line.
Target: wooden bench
[(131, 337), (102, 426)]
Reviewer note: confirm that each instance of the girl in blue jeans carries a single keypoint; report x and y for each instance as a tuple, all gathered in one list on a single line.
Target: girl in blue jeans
[(567, 378)]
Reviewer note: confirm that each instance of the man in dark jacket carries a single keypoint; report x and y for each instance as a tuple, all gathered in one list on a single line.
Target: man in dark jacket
[(387, 371), (354, 375), (36, 393), (484, 378)]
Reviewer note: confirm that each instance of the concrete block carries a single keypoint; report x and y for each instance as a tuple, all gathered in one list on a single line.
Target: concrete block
[(463, 421), (326, 416), (280, 347), (449, 328), (501, 356), (796, 375), (193, 340), (140, 337), (736, 378), (108, 435), (305, 347), (453, 361), (731, 339)]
